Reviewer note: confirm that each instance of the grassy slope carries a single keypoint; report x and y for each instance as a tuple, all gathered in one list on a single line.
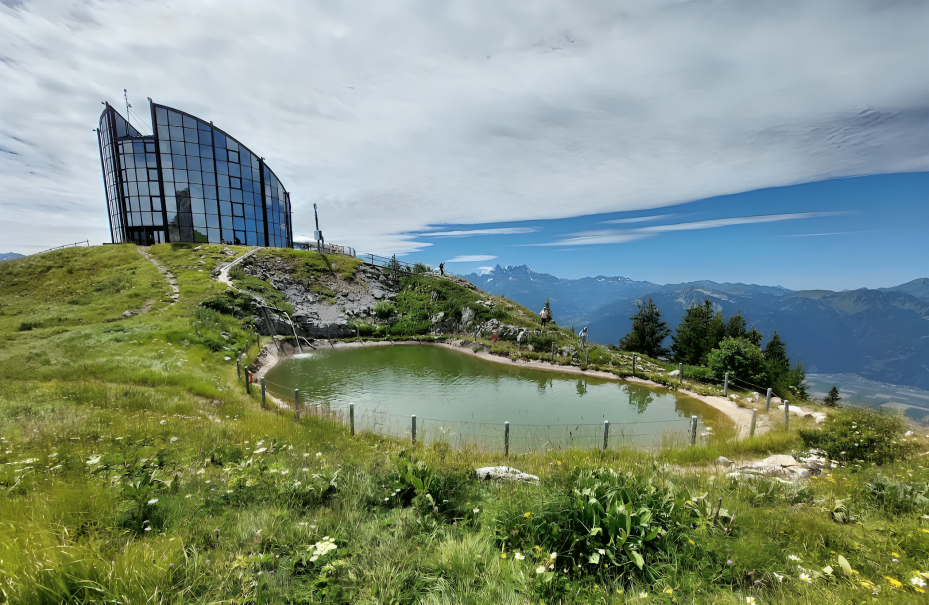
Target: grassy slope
[(91, 403)]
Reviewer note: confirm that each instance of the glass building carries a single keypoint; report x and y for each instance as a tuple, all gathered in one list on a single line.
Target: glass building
[(188, 182)]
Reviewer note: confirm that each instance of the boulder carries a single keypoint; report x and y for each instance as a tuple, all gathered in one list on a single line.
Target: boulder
[(780, 460), (378, 294), (128, 313), (674, 373), (504, 472), (723, 461)]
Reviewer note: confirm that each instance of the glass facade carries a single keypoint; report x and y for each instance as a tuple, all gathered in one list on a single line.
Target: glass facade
[(188, 182)]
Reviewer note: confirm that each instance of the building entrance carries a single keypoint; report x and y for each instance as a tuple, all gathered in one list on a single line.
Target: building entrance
[(145, 236)]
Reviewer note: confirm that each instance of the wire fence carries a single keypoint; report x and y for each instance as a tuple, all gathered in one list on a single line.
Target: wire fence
[(516, 438), (85, 242)]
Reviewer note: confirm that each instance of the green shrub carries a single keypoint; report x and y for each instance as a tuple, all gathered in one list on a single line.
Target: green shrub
[(895, 497), (115, 285), (29, 325), (384, 309), (612, 524), (742, 358), (237, 272), (861, 434)]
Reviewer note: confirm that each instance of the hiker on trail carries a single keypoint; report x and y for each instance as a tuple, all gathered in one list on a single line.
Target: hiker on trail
[(583, 336), (442, 268), (543, 315)]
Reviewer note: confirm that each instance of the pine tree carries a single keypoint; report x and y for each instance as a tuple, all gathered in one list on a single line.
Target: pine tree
[(648, 331), (776, 355), (735, 327), (833, 398), (700, 331), (754, 337)]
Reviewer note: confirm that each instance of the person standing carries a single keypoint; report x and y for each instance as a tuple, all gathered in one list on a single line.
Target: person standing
[(583, 335), (543, 315), (442, 268)]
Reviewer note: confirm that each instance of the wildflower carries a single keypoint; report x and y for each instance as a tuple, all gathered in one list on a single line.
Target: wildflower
[(795, 558), (173, 439), (896, 554), (503, 556), (643, 595), (153, 500), (779, 577), (749, 600), (729, 562), (806, 578), (318, 454), (187, 496), (692, 543), (476, 511), (917, 581), (601, 551), (527, 515), (894, 582), (668, 591), (261, 449), (540, 569), (518, 556), (163, 422), (306, 455)]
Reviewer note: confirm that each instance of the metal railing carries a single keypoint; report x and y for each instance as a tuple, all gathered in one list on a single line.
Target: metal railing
[(86, 241)]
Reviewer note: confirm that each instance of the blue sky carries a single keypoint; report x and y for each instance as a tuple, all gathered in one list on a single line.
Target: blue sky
[(870, 231), (411, 116)]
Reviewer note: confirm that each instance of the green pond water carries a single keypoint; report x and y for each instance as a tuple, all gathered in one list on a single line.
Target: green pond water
[(459, 397)]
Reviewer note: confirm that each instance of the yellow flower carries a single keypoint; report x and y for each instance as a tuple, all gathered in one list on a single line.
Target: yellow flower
[(894, 582), (691, 542), (527, 515), (503, 556), (668, 591), (925, 530), (896, 554)]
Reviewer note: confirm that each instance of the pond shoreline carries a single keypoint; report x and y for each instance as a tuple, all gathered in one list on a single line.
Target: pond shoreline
[(271, 356)]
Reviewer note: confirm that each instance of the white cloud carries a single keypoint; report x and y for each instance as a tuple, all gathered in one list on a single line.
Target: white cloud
[(397, 116), (472, 258), (641, 219), (474, 232), (616, 236)]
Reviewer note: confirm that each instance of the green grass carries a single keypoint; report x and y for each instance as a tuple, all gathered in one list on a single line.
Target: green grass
[(135, 469)]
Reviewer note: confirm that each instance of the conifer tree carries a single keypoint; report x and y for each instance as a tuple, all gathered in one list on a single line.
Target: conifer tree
[(736, 326), (754, 336), (833, 398), (700, 331), (648, 331), (776, 355)]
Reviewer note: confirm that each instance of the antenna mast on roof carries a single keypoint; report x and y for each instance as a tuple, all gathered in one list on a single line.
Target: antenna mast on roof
[(126, 97)]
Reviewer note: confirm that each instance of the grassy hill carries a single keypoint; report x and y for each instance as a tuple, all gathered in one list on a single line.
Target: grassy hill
[(135, 469)]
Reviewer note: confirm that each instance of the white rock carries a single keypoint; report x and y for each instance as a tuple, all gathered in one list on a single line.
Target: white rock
[(674, 373), (127, 313), (504, 472), (803, 473), (780, 460), (723, 461)]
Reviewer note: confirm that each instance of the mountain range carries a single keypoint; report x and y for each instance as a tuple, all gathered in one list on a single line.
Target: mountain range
[(880, 334), (9, 255)]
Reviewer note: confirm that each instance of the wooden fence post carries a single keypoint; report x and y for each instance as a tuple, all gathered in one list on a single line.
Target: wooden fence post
[(506, 439), (726, 386), (751, 430), (606, 435), (351, 417), (786, 414), (297, 402), (238, 367), (263, 402), (680, 372), (693, 430), (414, 429), (633, 364), (767, 403)]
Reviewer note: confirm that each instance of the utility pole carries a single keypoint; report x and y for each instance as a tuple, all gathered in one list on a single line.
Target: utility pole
[(317, 235)]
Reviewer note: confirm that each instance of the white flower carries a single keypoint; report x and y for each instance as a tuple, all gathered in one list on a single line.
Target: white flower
[(93, 460), (601, 551), (794, 558), (306, 455), (163, 422), (643, 595), (173, 439), (917, 581), (779, 577), (806, 578), (153, 500), (314, 557), (540, 569), (552, 556), (261, 449), (318, 454), (476, 511), (520, 557), (750, 600)]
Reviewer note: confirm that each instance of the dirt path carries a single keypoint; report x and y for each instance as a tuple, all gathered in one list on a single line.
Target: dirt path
[(172, 281), (223, 276)]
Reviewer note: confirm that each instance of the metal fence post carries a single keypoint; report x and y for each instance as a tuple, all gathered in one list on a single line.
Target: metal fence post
[(680, 372), (238, 367), (351, 417), (553, 352), (414, 429), (297, 401), (587, 361), (751, 429), (786, 414), (767, 403), (633, 363), (263, 402), (248, 382), (693, 430), (606, 435), (506, 439), (726, 386)]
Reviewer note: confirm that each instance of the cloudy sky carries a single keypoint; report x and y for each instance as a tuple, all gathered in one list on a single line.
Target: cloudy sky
[(546, 127)]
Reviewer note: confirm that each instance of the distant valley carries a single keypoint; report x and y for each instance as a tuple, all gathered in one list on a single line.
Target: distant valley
[(881, 334)]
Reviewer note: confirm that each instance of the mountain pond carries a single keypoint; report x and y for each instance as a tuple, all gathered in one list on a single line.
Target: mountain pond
[(463, 399)]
